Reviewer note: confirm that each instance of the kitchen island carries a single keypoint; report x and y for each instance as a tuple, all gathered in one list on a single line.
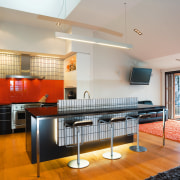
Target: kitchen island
[(47, 139)]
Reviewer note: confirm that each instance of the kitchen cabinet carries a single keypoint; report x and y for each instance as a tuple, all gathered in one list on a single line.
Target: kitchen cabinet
[(5, 119), (83, 74), (77, 74), (70, 73)]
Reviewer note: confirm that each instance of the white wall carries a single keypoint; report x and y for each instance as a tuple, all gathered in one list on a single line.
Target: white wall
[(85, 52), (26, 38), (83, 75), (111, 76), (110, 70), (166, 64), (109, 67)]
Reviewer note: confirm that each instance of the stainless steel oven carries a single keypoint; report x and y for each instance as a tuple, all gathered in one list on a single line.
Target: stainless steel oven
[(20, 118), (18, 115)]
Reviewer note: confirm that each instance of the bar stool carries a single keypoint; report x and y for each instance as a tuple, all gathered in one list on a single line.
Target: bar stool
[(111, 154), (138, 148), (78, 163)]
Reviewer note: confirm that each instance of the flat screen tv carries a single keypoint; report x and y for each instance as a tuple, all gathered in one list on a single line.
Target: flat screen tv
[(140, 76)]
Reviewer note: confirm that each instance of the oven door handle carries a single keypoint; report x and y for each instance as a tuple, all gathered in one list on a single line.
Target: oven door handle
[(21, 111)]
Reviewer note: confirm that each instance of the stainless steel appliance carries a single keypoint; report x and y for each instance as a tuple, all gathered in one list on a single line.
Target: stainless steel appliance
[(70, 93), (25, 69), (18, 116)]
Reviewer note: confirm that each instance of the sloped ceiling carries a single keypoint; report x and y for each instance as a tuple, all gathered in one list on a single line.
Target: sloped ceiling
[(158, 20)]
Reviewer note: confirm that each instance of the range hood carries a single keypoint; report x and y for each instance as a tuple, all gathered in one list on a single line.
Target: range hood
[(25, 69)]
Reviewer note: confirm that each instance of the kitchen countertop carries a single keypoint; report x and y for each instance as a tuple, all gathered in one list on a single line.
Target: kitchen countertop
[(54, 111), (9, 104)]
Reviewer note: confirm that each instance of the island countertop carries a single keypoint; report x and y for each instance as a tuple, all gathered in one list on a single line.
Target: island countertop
[(46, 134), (39, 112)]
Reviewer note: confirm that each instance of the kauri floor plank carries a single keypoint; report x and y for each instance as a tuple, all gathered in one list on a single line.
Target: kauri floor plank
[(15, 164)]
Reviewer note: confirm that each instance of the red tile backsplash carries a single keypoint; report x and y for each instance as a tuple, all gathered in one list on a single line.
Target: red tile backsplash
[(26, 90)]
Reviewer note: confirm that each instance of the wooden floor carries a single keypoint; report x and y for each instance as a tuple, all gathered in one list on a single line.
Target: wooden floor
[(15, 164)]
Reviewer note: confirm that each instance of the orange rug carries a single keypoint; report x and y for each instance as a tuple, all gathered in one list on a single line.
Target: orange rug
[(172, 129)]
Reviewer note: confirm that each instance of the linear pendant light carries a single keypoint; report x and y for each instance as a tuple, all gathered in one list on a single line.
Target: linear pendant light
[(90, 40)]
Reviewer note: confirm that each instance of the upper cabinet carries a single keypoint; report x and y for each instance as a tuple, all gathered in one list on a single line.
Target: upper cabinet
[(83, 74), (77, 73), (70, 72)]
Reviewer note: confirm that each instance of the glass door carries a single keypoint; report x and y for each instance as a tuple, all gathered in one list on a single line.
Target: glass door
[(177, 95)]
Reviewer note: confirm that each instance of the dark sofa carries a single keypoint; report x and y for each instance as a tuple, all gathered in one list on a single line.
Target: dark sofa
[(155, 116)]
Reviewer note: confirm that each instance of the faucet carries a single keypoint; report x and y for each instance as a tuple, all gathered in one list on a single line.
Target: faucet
[(88, 94)]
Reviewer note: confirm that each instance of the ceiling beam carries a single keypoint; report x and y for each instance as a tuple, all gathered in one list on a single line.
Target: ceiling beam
[(81, 25)]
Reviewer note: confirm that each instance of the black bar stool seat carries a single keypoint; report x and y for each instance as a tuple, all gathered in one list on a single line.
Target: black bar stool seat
[(111, 154), (78, 163), (109, 120), (78, 123), (118, 119), (83, 123)]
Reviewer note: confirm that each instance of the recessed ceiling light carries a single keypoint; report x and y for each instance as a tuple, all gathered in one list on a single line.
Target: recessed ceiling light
[(137, 31)]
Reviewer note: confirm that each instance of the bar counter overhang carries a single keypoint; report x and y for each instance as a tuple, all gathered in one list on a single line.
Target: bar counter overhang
[(41, 130)]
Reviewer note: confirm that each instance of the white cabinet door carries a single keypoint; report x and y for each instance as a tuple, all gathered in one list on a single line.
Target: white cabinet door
[(83, 74)]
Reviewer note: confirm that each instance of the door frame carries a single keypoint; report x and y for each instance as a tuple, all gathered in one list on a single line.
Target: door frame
[(175, 116)]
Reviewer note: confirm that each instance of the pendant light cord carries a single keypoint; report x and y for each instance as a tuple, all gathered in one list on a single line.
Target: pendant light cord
[(59, 23), (125, 22)]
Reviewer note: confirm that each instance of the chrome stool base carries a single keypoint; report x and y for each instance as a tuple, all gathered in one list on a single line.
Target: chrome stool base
[(82, 164), (115, 155), (138, 149)]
